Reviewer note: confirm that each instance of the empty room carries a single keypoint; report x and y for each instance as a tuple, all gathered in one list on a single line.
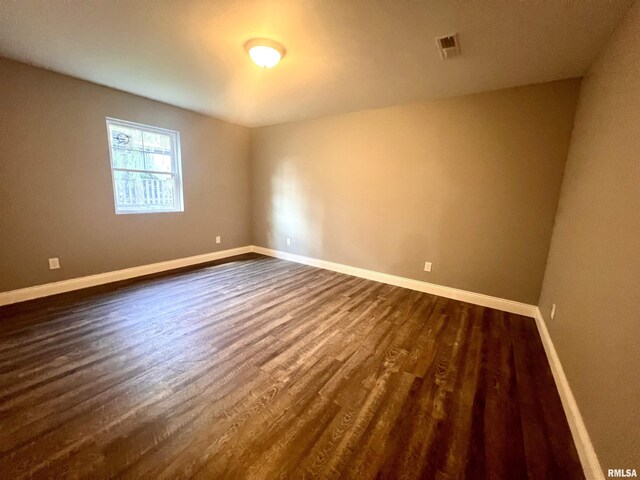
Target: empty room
[(296, 239)]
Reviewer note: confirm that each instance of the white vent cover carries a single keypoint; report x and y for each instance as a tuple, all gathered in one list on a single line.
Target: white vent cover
[(448, 46)]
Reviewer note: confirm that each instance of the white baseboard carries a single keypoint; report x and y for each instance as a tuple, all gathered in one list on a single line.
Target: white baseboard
[(54, 288), (588, 457), (29, 293), (442, 291)]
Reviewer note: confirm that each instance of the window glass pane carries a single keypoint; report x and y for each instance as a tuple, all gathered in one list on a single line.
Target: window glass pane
[(145, 167), (156, 142), (157, 162), (123, 138), (133, 159), (144, 191)]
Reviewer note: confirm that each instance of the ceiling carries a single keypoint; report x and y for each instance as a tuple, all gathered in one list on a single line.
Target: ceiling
[(342, 55)]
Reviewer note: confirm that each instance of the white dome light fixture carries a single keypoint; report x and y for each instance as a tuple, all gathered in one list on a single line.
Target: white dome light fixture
[(264, 52)]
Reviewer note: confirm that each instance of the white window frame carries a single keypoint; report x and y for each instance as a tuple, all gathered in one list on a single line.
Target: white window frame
[(176, 165)]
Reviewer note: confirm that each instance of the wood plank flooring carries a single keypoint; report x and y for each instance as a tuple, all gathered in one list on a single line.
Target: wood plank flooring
[(262, 368)]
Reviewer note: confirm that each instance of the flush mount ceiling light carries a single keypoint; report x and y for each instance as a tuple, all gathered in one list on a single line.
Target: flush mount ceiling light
[(264, 52)]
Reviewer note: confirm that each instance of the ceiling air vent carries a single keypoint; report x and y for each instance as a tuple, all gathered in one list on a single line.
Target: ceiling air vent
[(448, 46)]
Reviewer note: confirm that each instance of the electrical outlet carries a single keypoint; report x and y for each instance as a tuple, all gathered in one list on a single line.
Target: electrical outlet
[(288, 241), (553, 311), (54, 263), (427, 266), (218, 239)]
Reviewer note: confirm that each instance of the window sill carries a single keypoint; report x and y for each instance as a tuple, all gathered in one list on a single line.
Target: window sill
[(136, 212)]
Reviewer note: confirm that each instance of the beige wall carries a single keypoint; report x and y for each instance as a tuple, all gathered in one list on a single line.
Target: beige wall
[(56, 197), (382, 189), (470, 184), (593, 273)]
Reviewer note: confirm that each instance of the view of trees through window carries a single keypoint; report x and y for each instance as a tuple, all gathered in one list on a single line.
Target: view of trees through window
[(145, 168)]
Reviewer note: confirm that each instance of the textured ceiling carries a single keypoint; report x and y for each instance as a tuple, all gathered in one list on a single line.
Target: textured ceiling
[(341, 55)]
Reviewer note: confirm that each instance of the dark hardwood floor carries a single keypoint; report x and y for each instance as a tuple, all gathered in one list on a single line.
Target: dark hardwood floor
[(262, 368)]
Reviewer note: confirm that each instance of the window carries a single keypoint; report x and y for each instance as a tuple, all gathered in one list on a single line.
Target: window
[(145, 165)]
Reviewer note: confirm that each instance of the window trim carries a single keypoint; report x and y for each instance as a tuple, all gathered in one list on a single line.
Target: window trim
[(176, 168)]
